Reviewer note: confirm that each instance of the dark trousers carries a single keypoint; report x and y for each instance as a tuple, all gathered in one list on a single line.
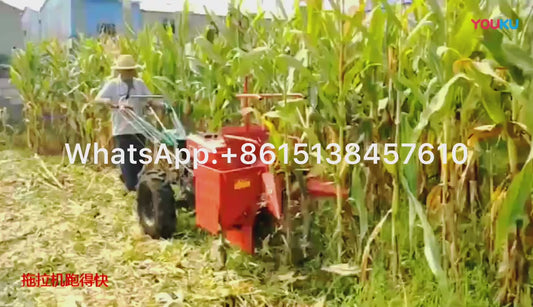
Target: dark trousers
[(129, 170)]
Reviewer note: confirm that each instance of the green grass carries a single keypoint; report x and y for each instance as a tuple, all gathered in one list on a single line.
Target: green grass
[(60, 218)]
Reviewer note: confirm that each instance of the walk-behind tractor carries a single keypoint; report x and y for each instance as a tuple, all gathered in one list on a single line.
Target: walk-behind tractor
[(227, 196)]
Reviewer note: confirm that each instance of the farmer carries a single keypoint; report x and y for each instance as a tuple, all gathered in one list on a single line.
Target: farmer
[(125, 133)]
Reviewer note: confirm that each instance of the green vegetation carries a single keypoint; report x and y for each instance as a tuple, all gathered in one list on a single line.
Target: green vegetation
[(410, 234)]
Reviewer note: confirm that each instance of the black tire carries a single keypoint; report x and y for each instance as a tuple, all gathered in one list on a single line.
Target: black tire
[(264, 225), (186, 186), (156, 205), (186, 202)]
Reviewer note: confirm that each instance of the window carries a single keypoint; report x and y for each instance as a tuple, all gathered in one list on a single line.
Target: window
[(169, 23), (106, 28)]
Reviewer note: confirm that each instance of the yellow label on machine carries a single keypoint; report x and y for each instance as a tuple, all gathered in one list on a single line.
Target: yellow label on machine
[(242, 184)]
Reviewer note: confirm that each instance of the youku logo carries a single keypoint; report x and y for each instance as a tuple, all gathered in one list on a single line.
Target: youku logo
[(496, 23)]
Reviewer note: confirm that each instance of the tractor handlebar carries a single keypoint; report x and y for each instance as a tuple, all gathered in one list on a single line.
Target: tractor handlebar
[(126, 97), (269, 95), (142, 96)]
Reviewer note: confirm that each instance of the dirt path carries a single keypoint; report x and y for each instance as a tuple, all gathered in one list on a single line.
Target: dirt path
[(58, 218)]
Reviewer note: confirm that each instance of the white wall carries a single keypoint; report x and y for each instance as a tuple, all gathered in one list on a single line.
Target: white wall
[(150, 18), (56, 19), (11, 27), (31, 26)]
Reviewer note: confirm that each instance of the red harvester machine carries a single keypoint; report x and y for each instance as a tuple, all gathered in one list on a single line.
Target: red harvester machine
[(228, 196)]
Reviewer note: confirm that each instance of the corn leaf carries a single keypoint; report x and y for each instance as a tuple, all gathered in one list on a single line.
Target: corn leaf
[(438, 102), (431, 248), (513, 206)]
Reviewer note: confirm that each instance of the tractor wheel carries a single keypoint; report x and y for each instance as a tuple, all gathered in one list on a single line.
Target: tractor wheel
[(156, 205), (264, 225), (187, 202)]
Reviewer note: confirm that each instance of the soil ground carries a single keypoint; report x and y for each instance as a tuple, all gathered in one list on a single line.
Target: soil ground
[(61, 218)]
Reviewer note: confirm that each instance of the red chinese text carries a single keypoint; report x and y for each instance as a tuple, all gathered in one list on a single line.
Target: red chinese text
[(64, 280)]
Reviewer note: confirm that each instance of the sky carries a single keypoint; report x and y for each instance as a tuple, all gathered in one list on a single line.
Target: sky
[(21, 4), (215, 5)]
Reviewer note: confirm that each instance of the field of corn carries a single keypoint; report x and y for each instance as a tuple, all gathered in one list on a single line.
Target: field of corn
[(440, 234)]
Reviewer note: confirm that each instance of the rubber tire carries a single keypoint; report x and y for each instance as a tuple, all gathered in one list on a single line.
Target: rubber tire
[(264, 225), (187, 200), (156, 206)]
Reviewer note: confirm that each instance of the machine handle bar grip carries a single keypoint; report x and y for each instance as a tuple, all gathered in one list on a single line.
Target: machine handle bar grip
[(273, 95), (143, 96)]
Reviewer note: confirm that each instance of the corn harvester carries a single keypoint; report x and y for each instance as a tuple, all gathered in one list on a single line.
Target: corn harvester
[(227, 197)]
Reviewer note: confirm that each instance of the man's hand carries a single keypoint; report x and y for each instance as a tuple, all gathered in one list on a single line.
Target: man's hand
[(108, 102), (123, 107)]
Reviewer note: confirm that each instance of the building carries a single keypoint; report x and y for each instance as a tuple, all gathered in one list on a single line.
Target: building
[(170, 13), (166, 13), (199, 20), (12, 35), (64, 19), (10, 101), (31, 25)]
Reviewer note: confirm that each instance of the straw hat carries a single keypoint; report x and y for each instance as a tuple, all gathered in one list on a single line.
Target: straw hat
[(125, 62)]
